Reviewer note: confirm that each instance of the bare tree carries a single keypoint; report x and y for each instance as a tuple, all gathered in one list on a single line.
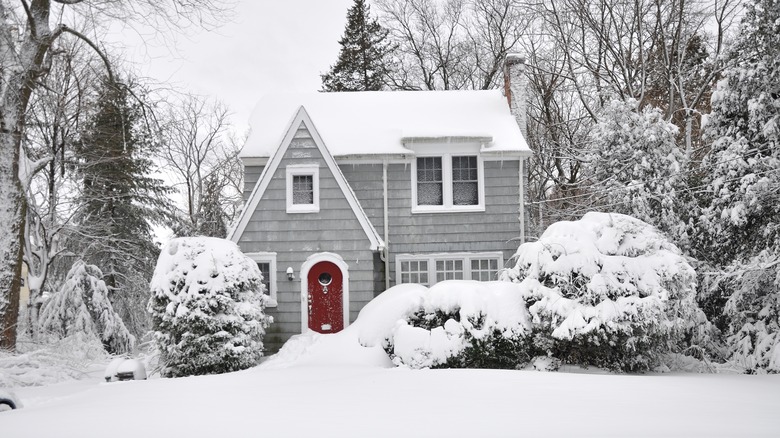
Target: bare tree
[(30, 31), (451, 44), (55, 113), (198, 150)]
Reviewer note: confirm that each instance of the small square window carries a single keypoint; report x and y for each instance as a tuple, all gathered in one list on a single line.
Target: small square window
[(414, 271), (303, 188), (484, 269), (449, 270)]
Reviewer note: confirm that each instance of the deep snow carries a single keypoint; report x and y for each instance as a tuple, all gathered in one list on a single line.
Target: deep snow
[(369, 401)]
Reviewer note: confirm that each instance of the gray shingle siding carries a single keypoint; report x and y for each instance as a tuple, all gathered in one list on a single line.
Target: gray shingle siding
[(491, 230), (296, 236), (251, 175)]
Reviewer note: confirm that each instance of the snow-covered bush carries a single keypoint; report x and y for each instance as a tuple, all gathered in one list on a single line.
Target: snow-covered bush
[(607, 290), (637, 163), (753, 313), (464, 324), (81, 307), (207, 308)]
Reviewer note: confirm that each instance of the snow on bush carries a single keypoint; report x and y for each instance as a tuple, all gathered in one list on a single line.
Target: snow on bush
[(753, 311), (207, 308), (607, 290), (81, 307), (464, 324)]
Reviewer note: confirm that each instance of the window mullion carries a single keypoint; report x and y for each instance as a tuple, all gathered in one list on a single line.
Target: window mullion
[(446, 164)]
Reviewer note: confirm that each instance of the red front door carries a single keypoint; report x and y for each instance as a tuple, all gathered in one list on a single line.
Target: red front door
[(326, 311)]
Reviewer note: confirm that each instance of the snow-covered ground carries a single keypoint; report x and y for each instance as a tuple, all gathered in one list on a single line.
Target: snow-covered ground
[(370, 401)]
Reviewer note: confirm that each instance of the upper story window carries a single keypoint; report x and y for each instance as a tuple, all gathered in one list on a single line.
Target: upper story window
[(447, 183), (303, 188)]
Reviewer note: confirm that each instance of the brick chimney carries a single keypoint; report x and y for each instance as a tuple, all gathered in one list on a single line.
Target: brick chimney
[(515, 88)]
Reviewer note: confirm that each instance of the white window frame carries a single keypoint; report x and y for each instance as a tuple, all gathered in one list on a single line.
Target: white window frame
[(447, 184), (270, 258), (466, 257), (312, 170)]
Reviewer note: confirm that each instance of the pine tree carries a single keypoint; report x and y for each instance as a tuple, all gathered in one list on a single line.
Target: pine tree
[(207, 307), (740, 224), (211, 218), (362, 64), (118, 201)]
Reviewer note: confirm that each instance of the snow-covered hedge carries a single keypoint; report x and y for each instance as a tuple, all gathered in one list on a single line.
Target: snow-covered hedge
[(607, 290), (207, 308), (81, 308), (464, 324)]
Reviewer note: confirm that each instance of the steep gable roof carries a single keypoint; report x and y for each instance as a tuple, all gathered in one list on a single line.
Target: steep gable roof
[(381, 122), (301, 116)]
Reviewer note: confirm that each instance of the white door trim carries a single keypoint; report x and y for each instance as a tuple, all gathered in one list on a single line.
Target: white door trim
[(306, 267)]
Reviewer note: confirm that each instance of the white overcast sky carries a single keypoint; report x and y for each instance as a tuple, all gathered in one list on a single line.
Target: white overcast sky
[(268, 45)]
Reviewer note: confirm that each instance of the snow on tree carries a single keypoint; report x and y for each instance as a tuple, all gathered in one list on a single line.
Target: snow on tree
[(608, 290), (81, 307), (740, 224), (362, 64), (119, 200), (207, 308), (637, 164)]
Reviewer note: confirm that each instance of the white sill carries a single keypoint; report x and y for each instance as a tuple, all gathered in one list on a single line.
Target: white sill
[(303, 208), (270, 302), (448, 209)]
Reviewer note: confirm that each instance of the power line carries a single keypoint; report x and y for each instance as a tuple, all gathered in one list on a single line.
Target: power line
[(637, 184)]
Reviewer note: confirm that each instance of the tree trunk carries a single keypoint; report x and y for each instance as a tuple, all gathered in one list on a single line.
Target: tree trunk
[(20, 66), (12, 215)]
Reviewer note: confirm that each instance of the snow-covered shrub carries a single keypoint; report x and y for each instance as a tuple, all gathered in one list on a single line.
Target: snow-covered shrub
[(464, 324), (81, 307), (753, 313), (637, 163), (207, 308), (607, 290)]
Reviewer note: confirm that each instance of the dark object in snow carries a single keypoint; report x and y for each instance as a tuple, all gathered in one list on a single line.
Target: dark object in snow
[(8, 401), (121, 369)]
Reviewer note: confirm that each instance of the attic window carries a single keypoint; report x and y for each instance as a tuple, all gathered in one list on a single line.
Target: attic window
[(303, 188), (447, 183)]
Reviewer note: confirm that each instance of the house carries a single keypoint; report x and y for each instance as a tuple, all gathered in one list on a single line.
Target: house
[(348, 194)]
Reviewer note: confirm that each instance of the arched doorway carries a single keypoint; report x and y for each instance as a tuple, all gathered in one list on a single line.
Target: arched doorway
[(325, 293)]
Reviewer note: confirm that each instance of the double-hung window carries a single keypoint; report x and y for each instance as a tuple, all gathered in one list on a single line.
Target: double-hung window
[(266, 262), (447, 183), (303, 188), (428, 269)]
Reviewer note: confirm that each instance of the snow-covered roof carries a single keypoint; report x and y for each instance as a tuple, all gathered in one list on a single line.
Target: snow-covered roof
[(381, 122)]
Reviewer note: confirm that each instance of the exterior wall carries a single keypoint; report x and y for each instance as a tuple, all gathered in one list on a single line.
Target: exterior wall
[(296, 236), (495, 229), (251, 175)]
